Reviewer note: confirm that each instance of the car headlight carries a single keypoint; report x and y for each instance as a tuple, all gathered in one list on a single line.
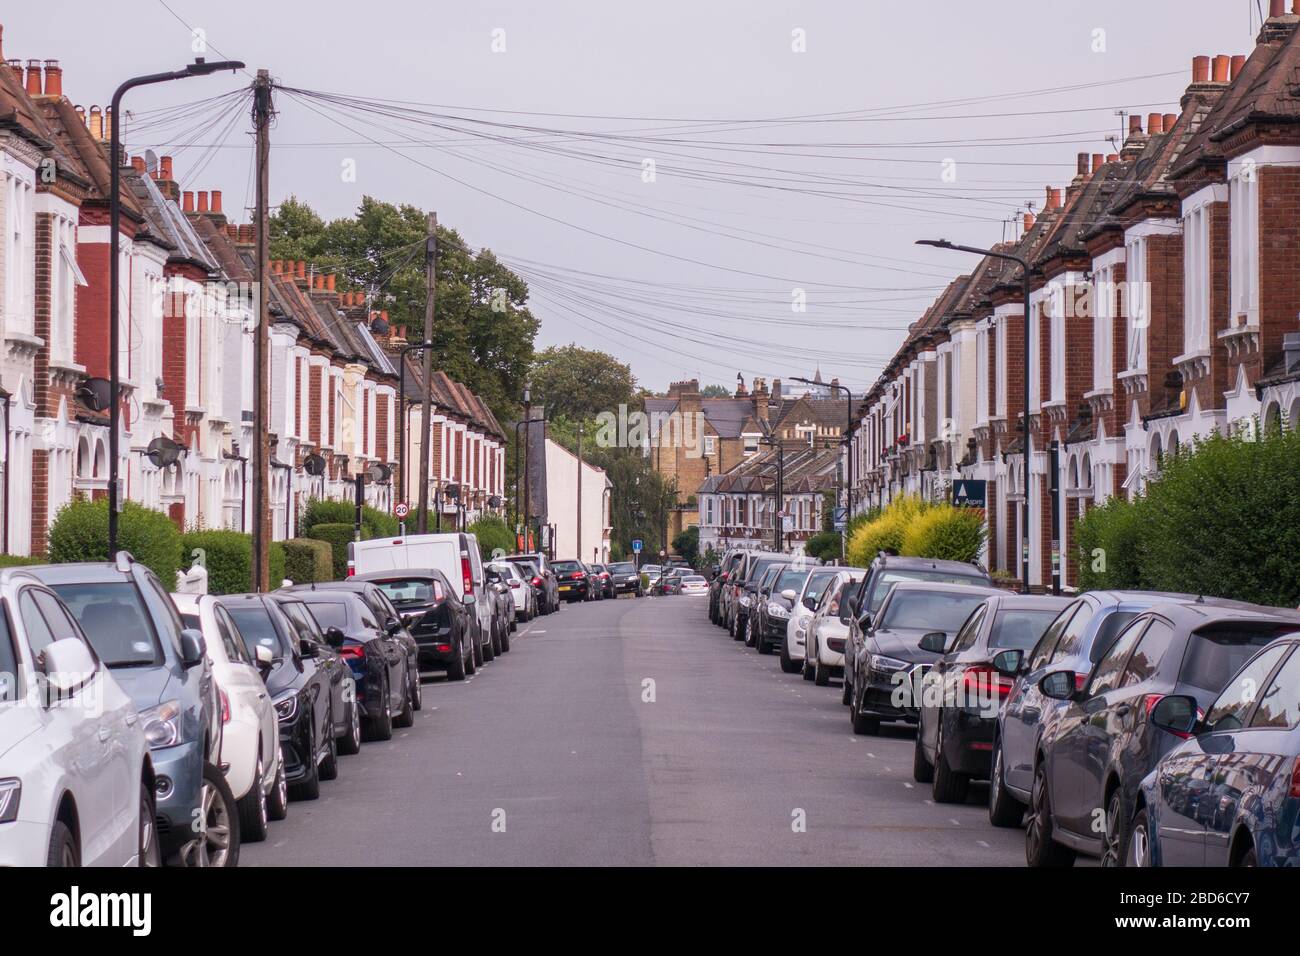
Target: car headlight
[(879, 662), (744, 600), (11, 789), (162, 724), (286, 708), (777, 610)]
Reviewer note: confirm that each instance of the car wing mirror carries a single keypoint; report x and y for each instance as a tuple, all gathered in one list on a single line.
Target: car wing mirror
[(264, 658), (193, 647), (306, 649), (394, 627), (789, 594), (68, 665), (334, 637), (934, 642), (864, 621), (1009, 662), (1176, 714), (1059, 685)]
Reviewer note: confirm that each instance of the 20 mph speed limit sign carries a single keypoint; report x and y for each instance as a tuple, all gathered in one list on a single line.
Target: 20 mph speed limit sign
[(402, 509)]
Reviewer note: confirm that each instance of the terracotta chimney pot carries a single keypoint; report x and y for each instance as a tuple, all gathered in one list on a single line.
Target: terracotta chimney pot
[(53, 78), (1029, 221), (1276, 8), (216, 200), (1134, 124), (1170, 120), (96, 124), (33, 77), (165, 169), (329, 282), (203, 201), (1155, 123), (137, 163), (1082, 167), (301, 268), (1222, 65), (1200, 69), (1097, 160), (1238, 62), (187, 198)]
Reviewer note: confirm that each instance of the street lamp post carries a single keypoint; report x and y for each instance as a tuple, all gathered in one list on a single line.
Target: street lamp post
[(848, 443), (519, 487), (1024, 424), (199, 67), (401, 415), (778, 518)]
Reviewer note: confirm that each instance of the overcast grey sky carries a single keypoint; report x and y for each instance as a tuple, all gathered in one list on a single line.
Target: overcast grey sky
[(694, 273)]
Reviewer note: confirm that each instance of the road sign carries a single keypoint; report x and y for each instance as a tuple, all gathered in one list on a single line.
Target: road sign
[(839, 518), (402, 509), (970, 493), (636, 545)]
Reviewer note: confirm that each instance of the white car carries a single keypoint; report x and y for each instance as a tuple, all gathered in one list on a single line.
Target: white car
[(828, 631), (695, 584), (796, 629), (76, 778), (521, 591), (250, 748)]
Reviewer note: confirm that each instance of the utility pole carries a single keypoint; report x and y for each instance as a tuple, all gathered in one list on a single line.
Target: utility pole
[(261, 344), (578, 549), (426, 414)]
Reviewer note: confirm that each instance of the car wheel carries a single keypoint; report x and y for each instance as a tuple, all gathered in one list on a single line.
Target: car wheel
[(788, 665), (217, 843), (949, 785), (1004, 809), (751, 637), (1249, 859), (469, 662), (380, 726), (456, 669), (846, 690), (1139, 841), (505, 641), (329, 767), (253, 817), (807, 669), (922, 769), (277, 804), (477, 651), (764, 647), (308, 788), (350, 743), (1040, 849), (417, 688), (1115, 851), (406, 716), (63, 847), (149, 851), (821, 673), (489, 649), (496, 641), (862, 724)]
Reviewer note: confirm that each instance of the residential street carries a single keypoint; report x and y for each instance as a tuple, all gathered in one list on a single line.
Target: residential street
[(709, 773)]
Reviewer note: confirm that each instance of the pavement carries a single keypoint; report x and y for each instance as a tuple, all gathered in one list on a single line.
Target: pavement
[(633, 732)]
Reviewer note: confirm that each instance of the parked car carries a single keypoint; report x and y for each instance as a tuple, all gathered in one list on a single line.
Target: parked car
[(964, 691), (548, 585), (670, 581), (497, 588), (652, 573), (626, 578), (801, 612), (136, 631), (574, 582), (441, 624), (1229, 795), (771, 612), (1074, 641), (696, 585), (77, 782), (885, 571), (344, 707), (756, 565), (901, 641), (250, 746), (1110, 736), (456, 554), (522, 594), (718, 586), (300, 689), (536, 583), (828, 630)]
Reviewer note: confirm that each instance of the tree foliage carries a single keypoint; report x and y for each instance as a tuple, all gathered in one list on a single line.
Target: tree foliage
[(573, 382)]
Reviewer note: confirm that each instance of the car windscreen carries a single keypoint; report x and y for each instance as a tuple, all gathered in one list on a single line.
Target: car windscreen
[(1214, 654), (8, 661), (761, 568), (790, 580), (405, 591), (566, 566), (115, 620), (623, 567), (1020, 628), (936, 577), (817, 583), (257, 629), (930, 610), (329, 614)]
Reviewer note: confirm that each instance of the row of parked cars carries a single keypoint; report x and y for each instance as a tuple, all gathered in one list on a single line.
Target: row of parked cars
[(1142, 728), (139, 727)]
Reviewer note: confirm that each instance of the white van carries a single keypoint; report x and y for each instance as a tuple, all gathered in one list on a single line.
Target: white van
[(455, 554)]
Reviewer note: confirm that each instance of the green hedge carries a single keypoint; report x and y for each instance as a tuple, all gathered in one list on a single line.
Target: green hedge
[(337, 535), (18, 561), (308, 560), (824, 546), (374, 523), (945, 533), (228, 557), (1110, 540), (80, 533), (377, 524), (493, 534)]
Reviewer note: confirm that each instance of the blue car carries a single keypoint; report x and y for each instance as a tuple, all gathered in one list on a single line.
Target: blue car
[(1230, 794)]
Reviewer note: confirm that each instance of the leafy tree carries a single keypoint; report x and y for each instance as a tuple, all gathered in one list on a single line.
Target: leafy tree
[(687, 544), (715, 391), (573, 382)]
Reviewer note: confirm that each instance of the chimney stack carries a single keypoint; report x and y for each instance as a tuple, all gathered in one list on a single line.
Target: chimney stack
[(216, 200), (1200, 69), (53, 78), (33, 77), (329, 282), (1029, 221), (1276, 8), (301, 269), (203, 202), (1053, 199), (165, 169), (96, 124), (1170, 120), (1155, 124), (137, 163)]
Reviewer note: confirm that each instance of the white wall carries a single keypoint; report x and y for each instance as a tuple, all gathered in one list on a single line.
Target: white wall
[(562, 505)]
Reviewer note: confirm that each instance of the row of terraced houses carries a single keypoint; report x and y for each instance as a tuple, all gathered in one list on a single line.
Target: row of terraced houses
[(187, 328), (1165, 305)]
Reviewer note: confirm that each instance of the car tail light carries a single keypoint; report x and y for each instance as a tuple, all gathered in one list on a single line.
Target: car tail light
[(1295, 780), (351, 570), (983, 679), (536, 582), (514, 584), (225, 707), (466, 573), (352, 652)]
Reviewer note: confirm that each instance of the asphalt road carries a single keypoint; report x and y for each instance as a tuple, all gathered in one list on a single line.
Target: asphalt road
[(550, 756)]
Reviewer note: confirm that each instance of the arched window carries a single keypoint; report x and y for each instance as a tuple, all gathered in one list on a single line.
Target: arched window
[(1156, 455), (1272, 417), (1173, 444)]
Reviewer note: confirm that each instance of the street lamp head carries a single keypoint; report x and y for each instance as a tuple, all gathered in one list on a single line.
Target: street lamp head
[(201, 67), (936, 243)]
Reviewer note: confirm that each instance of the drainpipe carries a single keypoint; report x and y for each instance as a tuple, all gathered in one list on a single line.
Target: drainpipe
[(4, 529)]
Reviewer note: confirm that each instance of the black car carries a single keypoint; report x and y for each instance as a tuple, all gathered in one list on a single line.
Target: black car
[(542, 576), (378, 658), (886, 570), (574, 582), (719, 588), (758, 610), (440, 623), (775, 616), (346, 712), (300, 686), (497, 586), (1115, 730), (605, 580), (964, 691), (902, 641), (625, 578), (756, 565)]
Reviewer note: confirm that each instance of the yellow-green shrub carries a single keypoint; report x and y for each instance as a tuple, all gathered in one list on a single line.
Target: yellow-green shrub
[(886, 532), (946, 533)]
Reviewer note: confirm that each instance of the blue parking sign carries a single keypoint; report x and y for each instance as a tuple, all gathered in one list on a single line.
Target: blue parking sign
[(636, 545)]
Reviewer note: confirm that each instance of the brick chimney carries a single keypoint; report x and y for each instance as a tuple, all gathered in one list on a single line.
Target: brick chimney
[(776, 389), (741, 391), (33, 78), (53, 79)]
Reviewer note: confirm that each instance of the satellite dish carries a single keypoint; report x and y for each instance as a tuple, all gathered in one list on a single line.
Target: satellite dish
[(452, 492), (94, 393), (379, 325), (495, 501), (163, 452), (150, 162), (314, 465), (378, 472)]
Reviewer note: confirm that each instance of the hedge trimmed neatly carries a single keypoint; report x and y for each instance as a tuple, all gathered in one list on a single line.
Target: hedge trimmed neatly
[(378, 524), (308, 560), (946, 533), (374, 523), (494, 535), (228, 558), (80, 533), (337, 535), (885, 532), (1221, 519)]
